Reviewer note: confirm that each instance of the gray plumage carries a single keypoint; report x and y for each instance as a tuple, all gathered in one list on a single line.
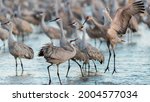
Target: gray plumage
[(56, 55), (18, 49)]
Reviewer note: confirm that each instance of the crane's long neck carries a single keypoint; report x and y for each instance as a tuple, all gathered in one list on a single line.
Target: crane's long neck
[(107, 19), (11, 37), (44, 26), (70, 12), (19, 11), (62, 31), (95, 22), (63, 41), (2, 4), (83, 38), (56, 8), (76, 32)]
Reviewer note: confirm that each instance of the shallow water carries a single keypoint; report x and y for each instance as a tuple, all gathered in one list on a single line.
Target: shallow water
[(132, 63)]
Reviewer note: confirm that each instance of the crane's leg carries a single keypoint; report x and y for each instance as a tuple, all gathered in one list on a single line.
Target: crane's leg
[(88, 68), (58, 74), (21, 66), (49, 73), (79, 66), (114, 71), (131, 36), (22, 37), (68, 68), (4, 45), (83, 65), (95, 42), (95, 66), (108, 45), (100, 42), (128, 37), (16, 66)]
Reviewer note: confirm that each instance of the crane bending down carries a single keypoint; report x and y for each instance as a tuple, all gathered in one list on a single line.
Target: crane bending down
[(56, 55), (18, 49), (119, 25)]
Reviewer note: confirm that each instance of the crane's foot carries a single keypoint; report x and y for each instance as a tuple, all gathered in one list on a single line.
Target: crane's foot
[(22, 72), (49, 82), (106, 69), (114, 71), (60, 83), (16, 73), (67, 72)]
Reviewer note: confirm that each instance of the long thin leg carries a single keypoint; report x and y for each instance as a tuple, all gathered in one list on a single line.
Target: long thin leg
[(83, 66), (4, 45), (108, 45), (95, 42), (21, 66), (88, 68), (49, 74), (80, 68), (95, 66), (22, 37), (68, 68), (100, 42), (114, 71), (131, 36), (128, 37), (16, 66), (58, 74)]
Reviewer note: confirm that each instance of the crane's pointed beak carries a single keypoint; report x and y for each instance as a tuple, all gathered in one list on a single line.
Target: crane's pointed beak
[(73, 40), (56, 19), (85, 21)]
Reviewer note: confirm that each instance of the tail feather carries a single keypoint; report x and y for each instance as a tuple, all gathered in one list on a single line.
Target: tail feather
[(41, 53)]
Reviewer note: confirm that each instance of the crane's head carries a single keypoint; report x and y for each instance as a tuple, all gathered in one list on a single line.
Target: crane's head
[(7, 24), (73, 24), (81, 27)]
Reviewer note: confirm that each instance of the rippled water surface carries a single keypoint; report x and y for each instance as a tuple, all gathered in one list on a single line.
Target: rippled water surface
[(132, 63)]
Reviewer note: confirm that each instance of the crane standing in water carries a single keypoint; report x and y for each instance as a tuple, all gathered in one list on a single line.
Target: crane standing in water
[(118, 26), (66, 45), (18, 49), (56, 55)]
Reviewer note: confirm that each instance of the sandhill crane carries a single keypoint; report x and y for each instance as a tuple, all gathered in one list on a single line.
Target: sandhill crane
[(90, 52), (3, 36), (65, 44), (14, 31), (23, 26), (29, 15), (17, 49), (56, 55), (51, 32), (119, 26), (97, 30)]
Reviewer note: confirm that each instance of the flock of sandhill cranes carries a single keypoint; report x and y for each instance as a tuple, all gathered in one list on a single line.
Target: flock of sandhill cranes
[(103, 19)]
